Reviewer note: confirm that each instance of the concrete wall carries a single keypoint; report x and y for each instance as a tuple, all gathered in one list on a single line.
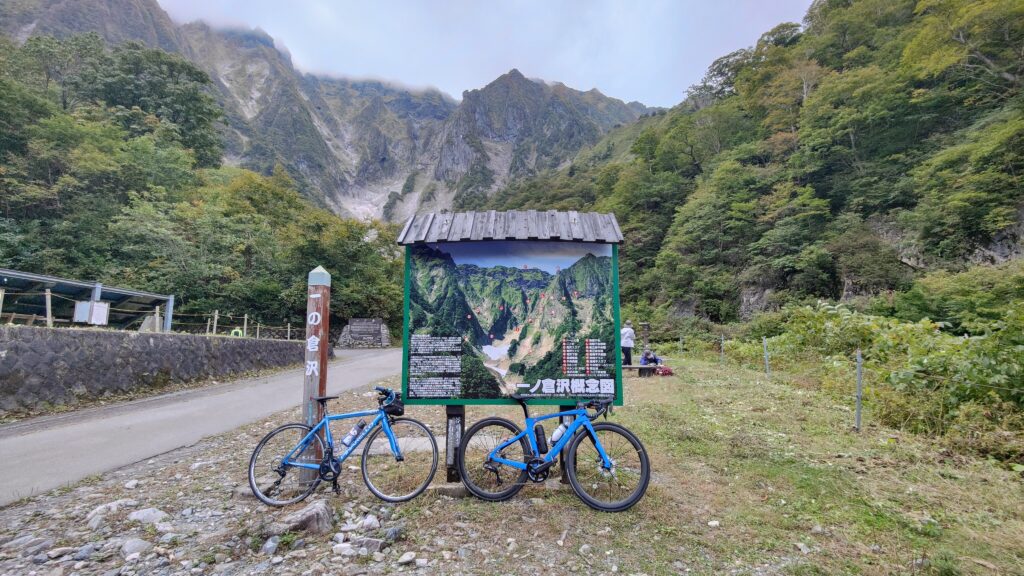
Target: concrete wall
[(56, 366)]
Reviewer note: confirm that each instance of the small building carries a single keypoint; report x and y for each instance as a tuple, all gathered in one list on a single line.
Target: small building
[(519, 302)]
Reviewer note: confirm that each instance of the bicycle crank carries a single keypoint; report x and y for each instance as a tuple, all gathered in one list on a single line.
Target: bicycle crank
[(330, 469), (537, 469)]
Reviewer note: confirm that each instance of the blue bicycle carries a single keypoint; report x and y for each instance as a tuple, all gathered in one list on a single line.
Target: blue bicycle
[(606, 464), (399, 460)]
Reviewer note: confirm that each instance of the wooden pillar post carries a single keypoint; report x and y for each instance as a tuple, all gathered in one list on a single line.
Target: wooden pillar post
[(456, 416), (216, 314), (317, 317), (49, 310), (156, 319), (289, 333), (207, 325), (257, 330), (245, 326)]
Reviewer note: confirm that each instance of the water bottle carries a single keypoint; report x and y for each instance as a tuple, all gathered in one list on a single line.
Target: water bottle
[(557, 434), (353, 433)]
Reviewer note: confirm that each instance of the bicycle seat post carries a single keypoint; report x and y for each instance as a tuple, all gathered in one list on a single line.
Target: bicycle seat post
[(522, 403)]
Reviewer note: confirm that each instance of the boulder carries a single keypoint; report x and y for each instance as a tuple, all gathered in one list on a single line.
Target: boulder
[(316, 518)]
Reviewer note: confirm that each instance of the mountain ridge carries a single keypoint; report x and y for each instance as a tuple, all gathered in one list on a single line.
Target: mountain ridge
[(363, 148)]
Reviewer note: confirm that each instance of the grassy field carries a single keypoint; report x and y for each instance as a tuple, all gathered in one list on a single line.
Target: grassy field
[(793, 489), (749, 477)]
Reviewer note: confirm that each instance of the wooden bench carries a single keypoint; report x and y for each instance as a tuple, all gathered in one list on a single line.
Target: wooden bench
[(638, 368)]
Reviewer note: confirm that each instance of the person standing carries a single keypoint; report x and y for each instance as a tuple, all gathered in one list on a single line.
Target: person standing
[(626, 338)]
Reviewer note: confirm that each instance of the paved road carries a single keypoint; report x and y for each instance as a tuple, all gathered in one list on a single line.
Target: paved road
[(52, 451)]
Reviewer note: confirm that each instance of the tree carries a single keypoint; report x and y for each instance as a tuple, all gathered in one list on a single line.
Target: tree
[(983, 38)]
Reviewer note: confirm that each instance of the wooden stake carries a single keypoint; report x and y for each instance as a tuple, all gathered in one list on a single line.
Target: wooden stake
[(207, 325), (257, 330), (767, 367), (245, 326), (289, 331), (49, 310), (860, 388), (216, 314)]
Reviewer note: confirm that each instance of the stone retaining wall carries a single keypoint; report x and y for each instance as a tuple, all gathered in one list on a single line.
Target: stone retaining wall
[(57, 366)]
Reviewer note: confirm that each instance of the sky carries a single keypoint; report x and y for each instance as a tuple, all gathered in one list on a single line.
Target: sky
[(546, 256), (645, 50)]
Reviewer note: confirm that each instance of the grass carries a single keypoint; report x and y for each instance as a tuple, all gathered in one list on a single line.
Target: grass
[(779, 466), (775, 463)]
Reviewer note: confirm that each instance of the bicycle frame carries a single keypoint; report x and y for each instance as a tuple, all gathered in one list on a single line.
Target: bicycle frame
[(380, 419), (581, 421)]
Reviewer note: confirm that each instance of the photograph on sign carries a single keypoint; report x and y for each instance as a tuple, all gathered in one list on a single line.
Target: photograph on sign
[(489, 319)]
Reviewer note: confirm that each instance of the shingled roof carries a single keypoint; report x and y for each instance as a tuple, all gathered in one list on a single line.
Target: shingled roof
[(513, 225)]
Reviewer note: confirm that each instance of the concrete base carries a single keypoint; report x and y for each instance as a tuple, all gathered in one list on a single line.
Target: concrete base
[(450, 489)]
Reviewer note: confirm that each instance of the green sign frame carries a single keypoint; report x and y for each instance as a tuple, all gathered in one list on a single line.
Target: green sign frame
[(558, 401)]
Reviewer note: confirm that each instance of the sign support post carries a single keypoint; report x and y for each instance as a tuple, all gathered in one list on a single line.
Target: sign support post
[(456, 418)]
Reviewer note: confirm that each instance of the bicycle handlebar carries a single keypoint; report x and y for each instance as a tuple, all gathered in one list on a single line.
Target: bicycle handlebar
[(602, 407), (385, 394)]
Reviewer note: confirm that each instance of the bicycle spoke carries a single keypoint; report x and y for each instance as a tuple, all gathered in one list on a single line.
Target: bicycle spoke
[(277, 482), (399, 480), (621, 483), (485, 477)]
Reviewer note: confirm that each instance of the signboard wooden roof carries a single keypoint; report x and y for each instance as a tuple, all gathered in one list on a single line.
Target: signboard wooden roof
[(435, 227)]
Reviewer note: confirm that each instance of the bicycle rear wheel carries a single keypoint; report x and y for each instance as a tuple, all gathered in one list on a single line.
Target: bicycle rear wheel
[(608, 490), (486, 479), (396, 480), (279, 484)]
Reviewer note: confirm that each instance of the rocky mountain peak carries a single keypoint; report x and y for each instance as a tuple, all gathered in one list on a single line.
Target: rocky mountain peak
[(362, 148)]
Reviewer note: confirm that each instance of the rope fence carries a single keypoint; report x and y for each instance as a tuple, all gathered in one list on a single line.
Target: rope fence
[(720, 348)]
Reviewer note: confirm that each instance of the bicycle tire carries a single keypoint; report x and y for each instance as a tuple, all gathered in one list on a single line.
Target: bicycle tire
[(572, 470), (464, 471), (367, 453), (253, 481)]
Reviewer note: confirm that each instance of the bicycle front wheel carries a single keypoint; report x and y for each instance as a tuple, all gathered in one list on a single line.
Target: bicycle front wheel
[(608, 489), (395, 480), (482, 476), (278, 483)]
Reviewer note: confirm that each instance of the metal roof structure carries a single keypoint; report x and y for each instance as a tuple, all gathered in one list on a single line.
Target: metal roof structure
[(569, 226), (24, 295)]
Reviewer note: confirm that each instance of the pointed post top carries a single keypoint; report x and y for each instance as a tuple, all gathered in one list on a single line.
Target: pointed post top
[(319, 277)]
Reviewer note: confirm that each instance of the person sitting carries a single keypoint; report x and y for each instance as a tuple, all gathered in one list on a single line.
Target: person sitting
[(648, 358)]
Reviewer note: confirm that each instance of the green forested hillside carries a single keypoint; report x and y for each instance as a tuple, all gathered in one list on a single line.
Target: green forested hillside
[(880, 140), (108, 171)]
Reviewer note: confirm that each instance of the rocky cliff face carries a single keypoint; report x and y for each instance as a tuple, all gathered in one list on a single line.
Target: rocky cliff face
[(362, 148)]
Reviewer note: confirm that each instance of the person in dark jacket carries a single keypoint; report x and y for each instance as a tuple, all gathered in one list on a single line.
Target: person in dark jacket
[(648, 358)]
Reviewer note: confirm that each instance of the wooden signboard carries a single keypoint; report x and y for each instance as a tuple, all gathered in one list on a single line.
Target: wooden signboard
[(486, 319)]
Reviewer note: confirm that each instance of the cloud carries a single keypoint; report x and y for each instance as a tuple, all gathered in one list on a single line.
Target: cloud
[(648, 51)]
